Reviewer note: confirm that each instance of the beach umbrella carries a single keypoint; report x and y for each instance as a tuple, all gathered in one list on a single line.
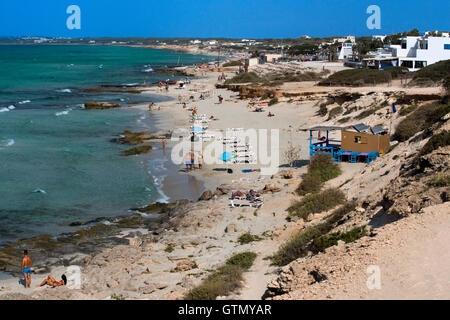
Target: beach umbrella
[(226, 156)]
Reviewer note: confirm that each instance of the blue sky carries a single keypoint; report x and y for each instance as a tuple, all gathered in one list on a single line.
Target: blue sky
[(219, 18)]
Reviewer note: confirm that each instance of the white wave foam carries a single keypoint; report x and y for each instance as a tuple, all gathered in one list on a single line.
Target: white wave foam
[(24, 101), (6, 142), (61, 113), (64, 91), (39, 191), (4, 109)]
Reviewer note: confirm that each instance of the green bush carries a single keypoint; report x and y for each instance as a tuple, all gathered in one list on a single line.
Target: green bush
[(323, 111), (273, 101), (360, 77), (438, 140), (321, 169), (321, 243), (310, 183), (234, 63), (420, 119), (317, 202), (432, 74), (248, 237), (225, 280), (169, 248), (246, 77), (299, 245), (407, 110), (368, 112), (335, 112)]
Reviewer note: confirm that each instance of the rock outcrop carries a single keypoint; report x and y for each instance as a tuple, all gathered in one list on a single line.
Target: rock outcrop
[(89, 105)]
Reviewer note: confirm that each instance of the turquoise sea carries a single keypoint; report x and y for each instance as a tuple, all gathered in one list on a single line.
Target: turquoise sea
[(57, 161)]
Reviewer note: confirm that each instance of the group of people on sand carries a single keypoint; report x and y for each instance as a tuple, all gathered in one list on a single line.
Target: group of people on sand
[(50, 281), (192, 159)]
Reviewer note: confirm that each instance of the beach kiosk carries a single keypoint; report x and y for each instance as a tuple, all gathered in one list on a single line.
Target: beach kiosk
[(356, 143)]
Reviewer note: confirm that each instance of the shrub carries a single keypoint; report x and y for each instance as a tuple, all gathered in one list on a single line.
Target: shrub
[(225, 279), (419, 120), (359, 77), (335, 112), (323, 167), (169, 248), (298, 246), (234, 63), (407, 110), (323, 111), (321, 243), (432, 74), (317, 202), (248, 237), (273, 101), (344, 120), (368, 112), (246, 77), (309, 184), (438, 140)]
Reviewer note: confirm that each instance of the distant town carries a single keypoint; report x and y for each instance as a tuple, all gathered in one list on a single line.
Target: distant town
[(413, 50)]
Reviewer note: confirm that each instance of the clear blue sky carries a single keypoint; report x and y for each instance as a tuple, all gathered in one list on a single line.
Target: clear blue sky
[(219, 18)]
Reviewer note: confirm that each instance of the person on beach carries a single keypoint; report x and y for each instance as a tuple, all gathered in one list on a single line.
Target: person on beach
[(187, 160), (192, 161), (200, 161), (164, 145), (184, 105), (220, 99), (180, 98), (26, 268), (150, 106), (53, 283)]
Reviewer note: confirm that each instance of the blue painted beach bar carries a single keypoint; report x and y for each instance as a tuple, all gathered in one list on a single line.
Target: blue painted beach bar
[(357, 143)]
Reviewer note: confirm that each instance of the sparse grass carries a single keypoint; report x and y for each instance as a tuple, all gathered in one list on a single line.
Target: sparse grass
[(335, 112), (420, 119), (408, 109), (323, 111), (234, 63), (310, 184), (344, 120), (248, 237), (117, 297), (299, 245), (321, 243), (368, 112), (438, 140), (432, 74), (360, 77), (440, 180), (246, 77), (316, 203), (225, 280)]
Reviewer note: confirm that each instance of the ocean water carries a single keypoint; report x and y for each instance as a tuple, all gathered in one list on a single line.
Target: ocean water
[(57, 161)]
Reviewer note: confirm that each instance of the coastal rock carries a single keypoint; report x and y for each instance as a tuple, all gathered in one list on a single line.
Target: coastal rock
[(135, 242), (185, 265), (89, 105), (222, 190), (207, 195), (231, 228), (285, 174), (138, 150), (271, 188)]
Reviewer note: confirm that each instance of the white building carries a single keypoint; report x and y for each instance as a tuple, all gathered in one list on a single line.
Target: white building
[(415, 53), (381, 37), (346, 51), (195, 41)]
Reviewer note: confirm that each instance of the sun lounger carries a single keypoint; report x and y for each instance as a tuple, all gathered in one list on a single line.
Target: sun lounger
[(245, 203)]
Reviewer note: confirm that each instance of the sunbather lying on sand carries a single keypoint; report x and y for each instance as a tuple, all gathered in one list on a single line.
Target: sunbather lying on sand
[(52, 282)]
